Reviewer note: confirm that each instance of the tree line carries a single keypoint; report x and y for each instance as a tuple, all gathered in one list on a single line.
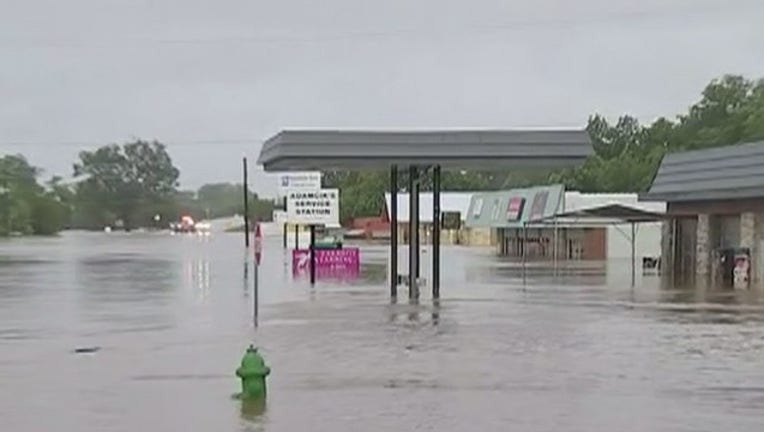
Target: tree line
[(626, 153), (134, 185)]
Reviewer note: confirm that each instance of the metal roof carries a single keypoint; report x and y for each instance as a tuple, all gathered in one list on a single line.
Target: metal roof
[(575, 200), (718, 173), (449, 202), (607, 214), (299, 150), (488, 208)]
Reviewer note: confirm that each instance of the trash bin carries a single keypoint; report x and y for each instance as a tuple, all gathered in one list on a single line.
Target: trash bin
[(741, 272)]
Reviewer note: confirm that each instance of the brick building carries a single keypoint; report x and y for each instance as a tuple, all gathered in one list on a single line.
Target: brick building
[(715, 203)]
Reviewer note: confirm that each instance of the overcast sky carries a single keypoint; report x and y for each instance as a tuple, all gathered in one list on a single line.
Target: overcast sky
[(213, 79)]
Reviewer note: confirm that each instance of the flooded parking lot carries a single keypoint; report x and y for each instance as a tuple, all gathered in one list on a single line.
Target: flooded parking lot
[(167, 319)]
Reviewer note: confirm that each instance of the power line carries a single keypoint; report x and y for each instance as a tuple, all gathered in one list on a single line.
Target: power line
[(169, 143), (710, 7)]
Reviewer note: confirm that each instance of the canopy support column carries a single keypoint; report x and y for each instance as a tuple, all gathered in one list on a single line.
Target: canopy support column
[(412, 228), (394, 231), (633, 255), (436, 232)]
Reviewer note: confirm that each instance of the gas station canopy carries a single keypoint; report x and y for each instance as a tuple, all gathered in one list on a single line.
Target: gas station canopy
[(421, 153), (307, 150)]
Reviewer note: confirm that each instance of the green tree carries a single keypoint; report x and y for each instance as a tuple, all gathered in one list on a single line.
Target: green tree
[(361, 193), (751, 115), (227, 199), (25, 206), (129, 182), (627, 154)]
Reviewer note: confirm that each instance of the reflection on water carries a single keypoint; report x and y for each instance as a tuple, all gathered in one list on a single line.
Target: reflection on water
[(414, 313), (171, 315), (251, 411), (197, 277)]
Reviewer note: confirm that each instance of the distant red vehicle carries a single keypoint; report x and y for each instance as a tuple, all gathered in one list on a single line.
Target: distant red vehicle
[(187, 225)]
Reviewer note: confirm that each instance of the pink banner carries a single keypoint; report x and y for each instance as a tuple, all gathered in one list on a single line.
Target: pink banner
[(343, 262)]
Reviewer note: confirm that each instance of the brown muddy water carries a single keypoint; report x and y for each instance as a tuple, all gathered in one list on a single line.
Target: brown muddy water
[(169, 317)]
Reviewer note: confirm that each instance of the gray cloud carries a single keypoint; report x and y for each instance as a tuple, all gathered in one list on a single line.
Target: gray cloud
[(206, 77)]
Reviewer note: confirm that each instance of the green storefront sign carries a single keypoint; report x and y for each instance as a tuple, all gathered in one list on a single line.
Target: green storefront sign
[(513, 208)]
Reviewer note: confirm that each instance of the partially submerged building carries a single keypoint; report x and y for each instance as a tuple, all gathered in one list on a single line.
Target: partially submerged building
[(454, 207), (542, 223), (715, 205)]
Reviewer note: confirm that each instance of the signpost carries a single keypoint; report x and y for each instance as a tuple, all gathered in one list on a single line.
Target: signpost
[(316, 207), (297, 182), (307, 204), (341, 263), (258, 256)]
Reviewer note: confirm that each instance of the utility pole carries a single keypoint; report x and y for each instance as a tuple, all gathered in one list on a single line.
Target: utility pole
[(246, 204)]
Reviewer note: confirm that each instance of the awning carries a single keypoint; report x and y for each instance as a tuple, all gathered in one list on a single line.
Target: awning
[(610, 214)]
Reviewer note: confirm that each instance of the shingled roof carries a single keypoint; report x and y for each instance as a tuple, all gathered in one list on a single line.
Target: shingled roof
[(731, 172)]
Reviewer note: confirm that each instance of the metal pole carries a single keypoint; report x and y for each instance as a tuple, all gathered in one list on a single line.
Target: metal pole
[(412, 246), (312, 254), (436, 232), (554, 249), (417, 238), (256, 300), (561, 203), (525, 249), (394, 231), (296, 236), (246, 273), (633, 258), (285, 226), (246, 205)]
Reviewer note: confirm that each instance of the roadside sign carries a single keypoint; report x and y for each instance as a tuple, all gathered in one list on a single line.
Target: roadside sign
[(318, 207), (258, 244), (299, 181)]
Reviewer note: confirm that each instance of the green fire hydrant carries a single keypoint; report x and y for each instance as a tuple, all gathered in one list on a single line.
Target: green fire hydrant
[(252, 373)]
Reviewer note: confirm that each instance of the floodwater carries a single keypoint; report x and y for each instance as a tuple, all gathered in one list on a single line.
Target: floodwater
[(168, 318)]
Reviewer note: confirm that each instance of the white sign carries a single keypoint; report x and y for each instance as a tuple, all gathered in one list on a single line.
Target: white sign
[(299, 181), (318, 207), (280, 217)]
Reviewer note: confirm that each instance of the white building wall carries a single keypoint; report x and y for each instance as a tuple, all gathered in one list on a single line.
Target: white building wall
[(648, 235), (648, 241)]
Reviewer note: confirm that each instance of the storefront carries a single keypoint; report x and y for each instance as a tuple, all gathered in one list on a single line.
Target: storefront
[(521, 219), (715, 233)]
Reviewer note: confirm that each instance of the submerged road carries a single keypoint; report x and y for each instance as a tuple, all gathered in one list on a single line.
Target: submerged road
[(161, 323)]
